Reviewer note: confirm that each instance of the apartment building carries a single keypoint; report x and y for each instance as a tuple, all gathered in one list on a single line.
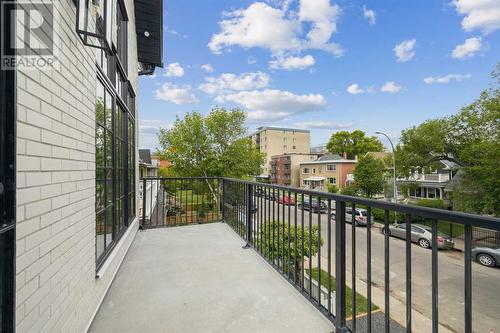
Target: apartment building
[(69, 168), (274, 141), (328, 169), (285, 169)]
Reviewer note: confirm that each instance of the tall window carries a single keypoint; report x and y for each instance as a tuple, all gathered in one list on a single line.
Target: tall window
[(121, 36), (115, 145), (104, 169), (131, 168)]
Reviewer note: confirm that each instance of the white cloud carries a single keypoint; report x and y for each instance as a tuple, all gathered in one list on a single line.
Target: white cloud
[(468, 49), (249, 28), (231, 82), (151, 127), (176, 94), (174, 70), (175, 33), (370, 15), (323, 124), (251, 60), (446, 78), (291, 63), (272, 104), (479, 14), (405, 50), (323, 17), (390, 87), (207, 68), (148, 132), (355, 89)]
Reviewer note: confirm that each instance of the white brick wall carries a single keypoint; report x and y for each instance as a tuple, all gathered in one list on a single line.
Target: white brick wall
[(57, 290)]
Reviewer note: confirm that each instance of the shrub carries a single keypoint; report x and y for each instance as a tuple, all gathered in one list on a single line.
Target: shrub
[(333, 189), (431, 203)]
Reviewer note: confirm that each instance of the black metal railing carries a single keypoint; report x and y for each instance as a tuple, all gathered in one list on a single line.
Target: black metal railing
[(178, 201), (304, 235)]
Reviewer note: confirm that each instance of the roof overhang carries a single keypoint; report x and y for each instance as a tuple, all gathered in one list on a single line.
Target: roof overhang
[(149, 29), (315, 179)]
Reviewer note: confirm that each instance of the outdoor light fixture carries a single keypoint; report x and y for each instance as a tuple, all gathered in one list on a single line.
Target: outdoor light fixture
[(94, 22)]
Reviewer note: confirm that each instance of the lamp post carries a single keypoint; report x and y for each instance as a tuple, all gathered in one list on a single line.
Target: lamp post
[(395, 198)]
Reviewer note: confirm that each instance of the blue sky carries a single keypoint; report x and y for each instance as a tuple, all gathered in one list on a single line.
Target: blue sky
[(322, 65)]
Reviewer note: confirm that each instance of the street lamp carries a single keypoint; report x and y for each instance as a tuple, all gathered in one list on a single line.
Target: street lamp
[(395, 198)]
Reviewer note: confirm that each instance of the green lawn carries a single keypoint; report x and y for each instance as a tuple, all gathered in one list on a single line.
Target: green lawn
[(188, 196), (361, 301)]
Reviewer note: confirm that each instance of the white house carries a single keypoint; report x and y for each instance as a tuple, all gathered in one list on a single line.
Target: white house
[(431, 185), (68, 166)]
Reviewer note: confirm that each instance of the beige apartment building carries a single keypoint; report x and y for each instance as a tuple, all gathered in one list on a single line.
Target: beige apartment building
[(274, 141), (326, 170), (285, 169)]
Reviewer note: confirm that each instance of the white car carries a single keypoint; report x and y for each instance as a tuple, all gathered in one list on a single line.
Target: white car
[(360, 216)]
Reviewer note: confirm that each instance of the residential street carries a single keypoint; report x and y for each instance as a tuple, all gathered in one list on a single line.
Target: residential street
[(486, 281)]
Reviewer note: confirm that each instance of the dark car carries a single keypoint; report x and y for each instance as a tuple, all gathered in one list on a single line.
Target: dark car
[(486, 256), (259, 192), (313, 206)]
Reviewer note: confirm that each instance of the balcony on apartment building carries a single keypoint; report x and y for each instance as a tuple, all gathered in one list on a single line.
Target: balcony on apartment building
[(225, 255)]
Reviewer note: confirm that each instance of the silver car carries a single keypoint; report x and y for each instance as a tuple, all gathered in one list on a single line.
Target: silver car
[(486, 256), (422, 235), (360, 216)]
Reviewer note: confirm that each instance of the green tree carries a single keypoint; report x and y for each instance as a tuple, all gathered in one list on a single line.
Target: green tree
[(350, 189), (277, 237), (353, 143), (211, 145), (470, 140), (369, 176), (333, 188)]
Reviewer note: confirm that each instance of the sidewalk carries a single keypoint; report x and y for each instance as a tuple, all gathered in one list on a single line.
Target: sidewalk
[(420, 323)]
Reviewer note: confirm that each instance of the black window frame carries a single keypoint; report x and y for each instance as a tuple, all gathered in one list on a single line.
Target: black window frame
[(122, 210)]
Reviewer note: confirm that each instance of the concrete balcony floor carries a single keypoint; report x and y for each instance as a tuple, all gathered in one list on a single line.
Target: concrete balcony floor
[(198, 278)]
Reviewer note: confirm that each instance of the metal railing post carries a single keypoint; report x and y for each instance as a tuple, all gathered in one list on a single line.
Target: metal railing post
[(223, 200), (143, 224), (340, 266), (249, 215)]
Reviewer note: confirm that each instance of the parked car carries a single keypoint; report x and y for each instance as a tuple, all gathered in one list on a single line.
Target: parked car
[(486, 256), (314, 206), (259, 192), (286, 200), (422, 235), (270, 195), (360, 216)]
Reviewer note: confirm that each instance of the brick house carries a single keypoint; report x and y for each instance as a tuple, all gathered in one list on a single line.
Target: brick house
[(328, 169), (285, 169), (69, 172)]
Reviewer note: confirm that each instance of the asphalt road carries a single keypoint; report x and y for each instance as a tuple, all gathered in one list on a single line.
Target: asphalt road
[(486, 281)]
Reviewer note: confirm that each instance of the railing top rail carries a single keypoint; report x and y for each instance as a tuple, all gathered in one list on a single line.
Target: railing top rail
[(426, 212), (177, 178)]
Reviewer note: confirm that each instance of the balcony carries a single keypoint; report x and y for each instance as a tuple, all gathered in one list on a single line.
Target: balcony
[(301, 265), (198, 278)]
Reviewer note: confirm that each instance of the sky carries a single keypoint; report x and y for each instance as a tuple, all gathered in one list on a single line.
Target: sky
[(322, 65)]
